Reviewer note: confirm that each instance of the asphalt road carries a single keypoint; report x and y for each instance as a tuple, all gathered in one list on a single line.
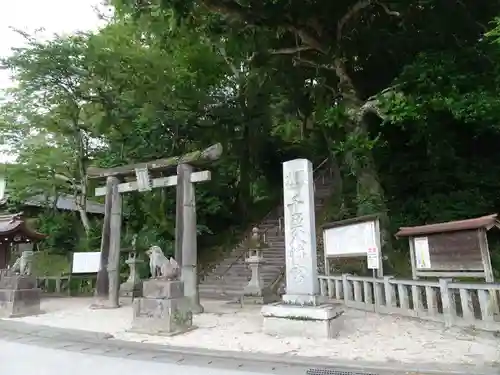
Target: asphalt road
[(23, 359), (27, 349)]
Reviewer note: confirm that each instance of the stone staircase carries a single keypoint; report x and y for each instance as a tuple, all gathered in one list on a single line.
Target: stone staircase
[(230, 277)]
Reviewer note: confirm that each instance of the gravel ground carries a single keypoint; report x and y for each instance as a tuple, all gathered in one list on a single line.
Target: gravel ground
[(366, 336)]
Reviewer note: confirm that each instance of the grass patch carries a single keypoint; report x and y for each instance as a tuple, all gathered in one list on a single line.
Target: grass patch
[(47, 264)]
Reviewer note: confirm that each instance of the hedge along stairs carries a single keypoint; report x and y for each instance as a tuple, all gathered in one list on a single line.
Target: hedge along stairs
[(229, 277)]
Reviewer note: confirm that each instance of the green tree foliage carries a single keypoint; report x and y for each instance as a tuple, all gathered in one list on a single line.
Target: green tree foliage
[(402, 98)]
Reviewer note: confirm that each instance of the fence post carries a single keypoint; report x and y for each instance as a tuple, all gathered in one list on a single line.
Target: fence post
[(323, 288), (389, 292), (379, 296), (447, 302), (346, 288)]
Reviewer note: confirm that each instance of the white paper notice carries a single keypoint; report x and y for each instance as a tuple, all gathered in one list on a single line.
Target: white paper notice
[(422, 256), (372, 258), (86, 262)]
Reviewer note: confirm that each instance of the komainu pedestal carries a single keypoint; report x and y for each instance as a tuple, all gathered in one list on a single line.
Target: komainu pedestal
[(163, 309), (19, 296)]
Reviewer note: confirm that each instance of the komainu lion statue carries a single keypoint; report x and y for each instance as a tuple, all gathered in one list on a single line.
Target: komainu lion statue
[(160, 266), (22, 264)]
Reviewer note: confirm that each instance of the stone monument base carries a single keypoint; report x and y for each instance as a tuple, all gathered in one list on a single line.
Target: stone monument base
[(19, 296), (322, 321), (163, 310), (130, 290), (301, 299), (259, 298)]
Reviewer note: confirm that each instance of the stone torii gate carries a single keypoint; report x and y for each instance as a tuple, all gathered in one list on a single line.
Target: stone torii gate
[(147, 177)]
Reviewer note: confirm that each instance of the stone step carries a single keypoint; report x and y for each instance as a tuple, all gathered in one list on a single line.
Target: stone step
[(235, 277), (239, 287), (269, 267), (218, 296), (269, 256), (240, 269), (225, 288), (270, 224), (235, 287), (239, 278), (274, 258), (240, 274)]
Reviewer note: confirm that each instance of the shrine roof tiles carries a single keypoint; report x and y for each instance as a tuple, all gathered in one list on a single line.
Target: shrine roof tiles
[(486, 222), (14, 224)]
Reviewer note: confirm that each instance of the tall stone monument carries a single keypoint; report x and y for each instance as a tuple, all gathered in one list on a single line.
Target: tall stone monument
[(300, 313)]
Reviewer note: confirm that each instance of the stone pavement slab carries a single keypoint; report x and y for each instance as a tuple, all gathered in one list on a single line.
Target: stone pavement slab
[(96, 343)]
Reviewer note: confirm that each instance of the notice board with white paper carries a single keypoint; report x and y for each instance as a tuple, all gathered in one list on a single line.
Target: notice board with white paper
[(350, 240), (354, 238), (86, 262), (422, 254)]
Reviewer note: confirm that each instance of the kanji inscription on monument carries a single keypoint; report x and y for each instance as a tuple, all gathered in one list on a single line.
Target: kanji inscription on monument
[(300, 238)]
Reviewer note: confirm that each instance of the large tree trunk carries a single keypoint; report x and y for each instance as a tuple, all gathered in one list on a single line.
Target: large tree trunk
[(81, 198), (245, 171), (370, 197)]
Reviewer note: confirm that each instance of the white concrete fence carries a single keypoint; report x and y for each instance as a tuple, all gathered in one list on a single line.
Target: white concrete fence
[(452, 303)]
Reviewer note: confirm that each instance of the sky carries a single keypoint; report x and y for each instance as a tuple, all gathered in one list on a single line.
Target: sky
[(53, 16)]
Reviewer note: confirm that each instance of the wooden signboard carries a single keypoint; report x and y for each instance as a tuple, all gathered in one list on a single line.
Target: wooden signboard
[(452, 249)]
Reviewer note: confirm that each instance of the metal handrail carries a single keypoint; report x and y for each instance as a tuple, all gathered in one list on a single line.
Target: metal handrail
[(320, 165), (248, 231)]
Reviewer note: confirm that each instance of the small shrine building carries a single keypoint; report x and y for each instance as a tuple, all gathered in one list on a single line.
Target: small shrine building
[(15, 236)]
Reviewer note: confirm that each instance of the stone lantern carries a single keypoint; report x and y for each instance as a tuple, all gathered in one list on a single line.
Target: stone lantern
[(255, 292), (133, 286)]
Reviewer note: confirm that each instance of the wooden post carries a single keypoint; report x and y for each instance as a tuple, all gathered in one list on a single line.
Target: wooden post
[(380, 270), (488, 269), (186, 216), (114, 244), (413, 259), (179, 204), (485, 256), (102, 284)]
